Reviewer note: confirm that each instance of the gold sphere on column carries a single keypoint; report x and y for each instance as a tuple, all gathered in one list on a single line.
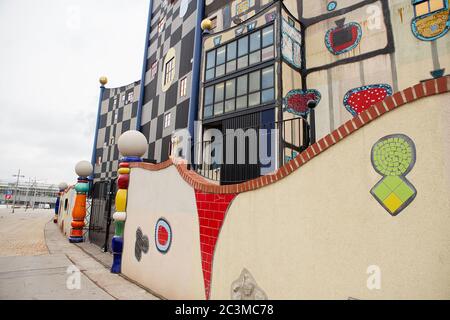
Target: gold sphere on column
[(103, 80), (206, 24)]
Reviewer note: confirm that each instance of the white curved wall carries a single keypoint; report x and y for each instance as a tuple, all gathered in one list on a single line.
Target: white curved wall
[(314, 234), (152, 195)]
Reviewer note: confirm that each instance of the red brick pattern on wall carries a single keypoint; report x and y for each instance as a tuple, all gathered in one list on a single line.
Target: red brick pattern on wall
[(402, 98), (211, 210)]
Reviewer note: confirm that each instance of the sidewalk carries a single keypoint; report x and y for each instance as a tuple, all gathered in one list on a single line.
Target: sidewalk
[(45, 275)]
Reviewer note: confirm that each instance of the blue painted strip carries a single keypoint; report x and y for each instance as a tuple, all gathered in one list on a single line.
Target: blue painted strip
[(94, 147), (144, 65), (193, 102)]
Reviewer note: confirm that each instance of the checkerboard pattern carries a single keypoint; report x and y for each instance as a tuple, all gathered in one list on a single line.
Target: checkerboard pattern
[(172, 26), (118, 114)]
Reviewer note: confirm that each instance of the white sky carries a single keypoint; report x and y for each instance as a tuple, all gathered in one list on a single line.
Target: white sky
[(52, 53)]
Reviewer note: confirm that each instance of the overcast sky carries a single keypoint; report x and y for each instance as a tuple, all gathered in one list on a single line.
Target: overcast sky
[(52, 53)]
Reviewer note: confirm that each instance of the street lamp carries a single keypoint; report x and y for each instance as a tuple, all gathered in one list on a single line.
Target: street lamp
[(83, 169), (17, 186)]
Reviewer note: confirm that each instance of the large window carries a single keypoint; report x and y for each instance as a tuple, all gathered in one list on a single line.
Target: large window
[(246, 91), (169, 71), (236, 55)]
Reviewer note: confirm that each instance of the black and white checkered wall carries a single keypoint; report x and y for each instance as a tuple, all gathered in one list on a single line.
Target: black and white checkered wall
[(172, 26), (118, 114)]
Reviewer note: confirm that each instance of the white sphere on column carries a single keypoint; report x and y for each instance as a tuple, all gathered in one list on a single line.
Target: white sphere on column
[(83, 168), (132, 143), (62, 186)]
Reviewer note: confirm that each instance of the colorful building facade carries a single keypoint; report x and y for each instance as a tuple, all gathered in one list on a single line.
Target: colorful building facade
[(357, 95)]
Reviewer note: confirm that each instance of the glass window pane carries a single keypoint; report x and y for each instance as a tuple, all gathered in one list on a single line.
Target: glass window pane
[(209, 95), (241, 102), (231, 50), (267, 53), (268, 95), (220, 70), (436, 5), (231, 66), (242, 46), (255, 57), (230, 88), (207, 112), (209, 74), (242, 85), (254, 80), (253, 99), (267, 78), (219, 92), (229, 105), (210, 59), (267, 36), (255, 41), (242, 62), (218, 108), (421, 8), (221, 55)]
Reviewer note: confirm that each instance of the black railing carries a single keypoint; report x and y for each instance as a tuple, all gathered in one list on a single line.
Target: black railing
[(290, 138)]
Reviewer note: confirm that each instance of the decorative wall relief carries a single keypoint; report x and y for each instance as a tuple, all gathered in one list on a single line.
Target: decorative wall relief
[(163, 236), (343, 38), (246, 288), (359, 99), (331, 6), (431, 19), (393, 156), (211, 210), (270, 17), (296, 101), (141, 244), (291, 40)]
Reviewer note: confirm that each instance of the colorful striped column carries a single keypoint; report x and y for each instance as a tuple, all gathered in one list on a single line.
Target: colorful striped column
[(62, 186), (83, 170), (132, 145)]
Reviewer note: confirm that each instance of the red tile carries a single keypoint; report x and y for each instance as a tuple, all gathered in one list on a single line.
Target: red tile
[(418, 89), (409, 95), (430, 87), (442, 85)]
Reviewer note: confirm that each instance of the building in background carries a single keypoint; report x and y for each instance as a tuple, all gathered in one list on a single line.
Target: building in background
[(168, 73), (30, 194), (118, 113)]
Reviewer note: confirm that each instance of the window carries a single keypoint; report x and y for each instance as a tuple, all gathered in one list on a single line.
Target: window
[(167, 120), (183, 85), (169, 71), (428, 6), (154, 69), (161, 24), (248, 90), (213, 23), (130, 97), (246, 51)]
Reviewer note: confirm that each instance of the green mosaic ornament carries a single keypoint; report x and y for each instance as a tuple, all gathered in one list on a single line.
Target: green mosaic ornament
[(393, 157)]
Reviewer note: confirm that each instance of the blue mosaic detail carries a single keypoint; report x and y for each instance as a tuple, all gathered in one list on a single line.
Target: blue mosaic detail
[(217, 40), (332, 5)]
